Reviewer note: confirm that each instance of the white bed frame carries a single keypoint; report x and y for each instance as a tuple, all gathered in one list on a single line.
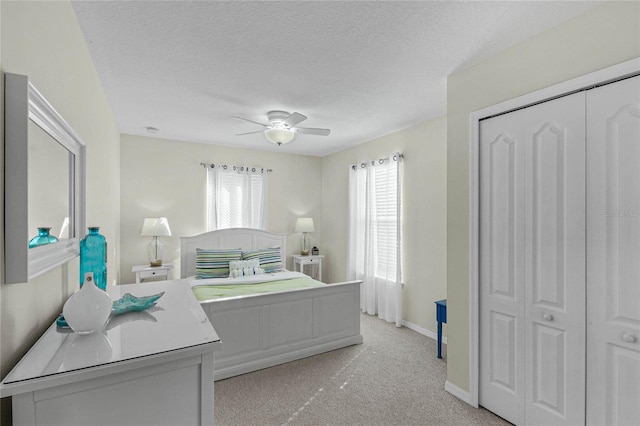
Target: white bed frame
[(264, 330)]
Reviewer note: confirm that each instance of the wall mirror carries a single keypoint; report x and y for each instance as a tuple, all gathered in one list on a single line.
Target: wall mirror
[(44, 175)]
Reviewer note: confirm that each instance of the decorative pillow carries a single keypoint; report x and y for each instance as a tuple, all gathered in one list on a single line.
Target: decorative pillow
[(269, 258), (240, 268), (214, 263)]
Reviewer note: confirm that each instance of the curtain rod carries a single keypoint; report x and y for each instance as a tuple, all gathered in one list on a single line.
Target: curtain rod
[(242, 168), (395, 157)]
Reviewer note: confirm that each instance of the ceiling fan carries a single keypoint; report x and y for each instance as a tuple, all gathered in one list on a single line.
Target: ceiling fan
[(282, 127)]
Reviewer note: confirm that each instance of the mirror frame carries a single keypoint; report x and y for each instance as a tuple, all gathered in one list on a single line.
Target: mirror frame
[(23, 102)]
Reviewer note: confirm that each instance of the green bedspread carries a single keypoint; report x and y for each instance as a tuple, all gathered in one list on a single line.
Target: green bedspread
[(208, 292)]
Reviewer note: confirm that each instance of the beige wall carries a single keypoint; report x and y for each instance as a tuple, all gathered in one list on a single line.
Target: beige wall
[(604, 36), (424, 213), (43, 40), (164, 178), (147, 177)]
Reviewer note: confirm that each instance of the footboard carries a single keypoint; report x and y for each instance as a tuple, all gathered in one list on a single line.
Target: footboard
[(269, 329)]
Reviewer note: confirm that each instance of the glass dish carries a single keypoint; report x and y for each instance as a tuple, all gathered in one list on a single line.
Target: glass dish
[(130, 303)]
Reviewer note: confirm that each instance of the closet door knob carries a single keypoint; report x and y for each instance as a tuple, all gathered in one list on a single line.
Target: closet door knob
[(547, 317), (629, 338)]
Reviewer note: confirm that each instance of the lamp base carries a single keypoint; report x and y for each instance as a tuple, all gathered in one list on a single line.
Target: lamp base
[(304, 245), (155, 250)]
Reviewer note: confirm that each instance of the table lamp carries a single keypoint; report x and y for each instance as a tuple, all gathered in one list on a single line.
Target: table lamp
[(304, 225), (155, 227)]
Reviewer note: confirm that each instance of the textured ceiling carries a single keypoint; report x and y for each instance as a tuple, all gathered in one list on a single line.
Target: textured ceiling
[(363, 69)]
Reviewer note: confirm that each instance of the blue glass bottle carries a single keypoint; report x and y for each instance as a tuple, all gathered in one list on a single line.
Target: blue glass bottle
[(43, 238), (93, 257)]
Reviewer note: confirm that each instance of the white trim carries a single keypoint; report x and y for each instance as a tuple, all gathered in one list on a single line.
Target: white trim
[(44, 115), (474, 253), (23, 102), (603, 76), (45, 258), (421, 330), (459, 393)]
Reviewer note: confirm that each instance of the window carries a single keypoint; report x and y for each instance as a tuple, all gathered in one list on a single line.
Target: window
[(386, 221), (236, 197), (377, 218), (375, 236)]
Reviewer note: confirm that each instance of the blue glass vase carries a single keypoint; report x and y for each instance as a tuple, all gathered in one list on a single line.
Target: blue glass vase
[(43, 238), (93, 257)]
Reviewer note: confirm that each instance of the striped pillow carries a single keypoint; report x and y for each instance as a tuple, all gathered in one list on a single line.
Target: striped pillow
[(270, 259), (211, 263)]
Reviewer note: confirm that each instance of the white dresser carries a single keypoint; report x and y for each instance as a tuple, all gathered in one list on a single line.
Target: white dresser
[(153, 367)]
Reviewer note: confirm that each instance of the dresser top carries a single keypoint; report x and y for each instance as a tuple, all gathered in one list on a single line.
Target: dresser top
[(175, 323)]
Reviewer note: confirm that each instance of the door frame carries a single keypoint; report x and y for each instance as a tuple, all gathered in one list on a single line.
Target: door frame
[(606, 75)]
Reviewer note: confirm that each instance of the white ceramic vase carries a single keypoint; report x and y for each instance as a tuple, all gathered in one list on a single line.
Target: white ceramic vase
[(88, 309)]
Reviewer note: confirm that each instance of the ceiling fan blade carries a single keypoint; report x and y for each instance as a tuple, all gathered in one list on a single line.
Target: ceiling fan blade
[(312, 131), (294, 119), (250, 121), (250, 133)]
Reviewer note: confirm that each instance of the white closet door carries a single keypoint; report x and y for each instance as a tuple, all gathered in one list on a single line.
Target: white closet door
[(501, 380), (532, 263), (555, 282), (613, 236)]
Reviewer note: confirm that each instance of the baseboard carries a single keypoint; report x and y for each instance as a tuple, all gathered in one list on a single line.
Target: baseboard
[(459, 393), (421, 330)]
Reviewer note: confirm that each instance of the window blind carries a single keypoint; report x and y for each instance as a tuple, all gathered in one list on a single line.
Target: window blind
[(236, 197)]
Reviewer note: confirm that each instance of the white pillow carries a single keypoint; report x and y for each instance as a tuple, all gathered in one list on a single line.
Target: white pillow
[(243, 268)]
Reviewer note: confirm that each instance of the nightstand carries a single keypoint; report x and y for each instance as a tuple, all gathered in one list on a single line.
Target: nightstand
[(299, 261), (144, 272)]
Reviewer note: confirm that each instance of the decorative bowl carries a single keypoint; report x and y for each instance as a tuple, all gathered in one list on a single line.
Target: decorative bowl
[(130, 303)]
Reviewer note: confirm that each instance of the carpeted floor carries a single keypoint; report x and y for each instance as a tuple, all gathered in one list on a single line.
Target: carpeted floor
[(393, 378)]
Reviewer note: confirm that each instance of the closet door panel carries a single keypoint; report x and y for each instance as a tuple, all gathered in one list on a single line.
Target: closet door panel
[(532, 263), (546, 219), (501, 268), (613, 235), (554, 280)]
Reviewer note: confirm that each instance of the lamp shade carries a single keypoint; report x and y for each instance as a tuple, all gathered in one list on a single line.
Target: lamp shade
[(305, 224), (155, 227), (279, 135)]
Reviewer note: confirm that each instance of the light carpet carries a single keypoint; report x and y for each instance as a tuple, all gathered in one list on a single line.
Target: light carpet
[(393, 378)]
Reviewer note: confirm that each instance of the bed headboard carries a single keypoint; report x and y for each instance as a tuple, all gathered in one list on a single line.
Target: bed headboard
[(243, 238)]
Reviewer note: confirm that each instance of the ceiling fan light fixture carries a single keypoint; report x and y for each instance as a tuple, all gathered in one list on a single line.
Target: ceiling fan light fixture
[(282, 127), (279, 135)]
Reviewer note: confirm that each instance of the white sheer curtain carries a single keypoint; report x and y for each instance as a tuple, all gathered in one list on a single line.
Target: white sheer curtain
[(236, 197), (375, 231)]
